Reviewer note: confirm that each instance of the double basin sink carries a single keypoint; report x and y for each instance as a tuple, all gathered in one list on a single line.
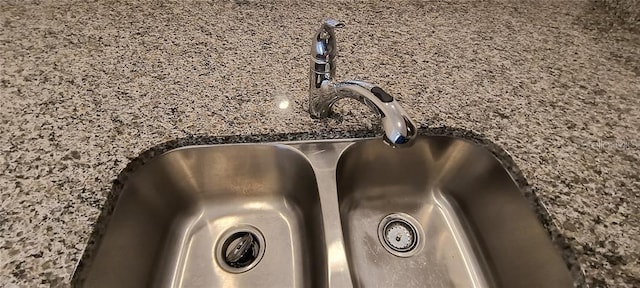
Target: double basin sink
[(349, 213)]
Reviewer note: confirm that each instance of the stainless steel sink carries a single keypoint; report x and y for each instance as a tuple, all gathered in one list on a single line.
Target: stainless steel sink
[(452, 206), (349, 213), (174, 215)]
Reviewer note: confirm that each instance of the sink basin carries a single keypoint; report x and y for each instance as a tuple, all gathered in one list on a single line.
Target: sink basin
[(175, 213), (471, 225), (328, 213)]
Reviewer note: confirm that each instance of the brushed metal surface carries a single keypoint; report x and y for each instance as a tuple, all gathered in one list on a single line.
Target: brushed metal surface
[(318, 205), (479, 230)]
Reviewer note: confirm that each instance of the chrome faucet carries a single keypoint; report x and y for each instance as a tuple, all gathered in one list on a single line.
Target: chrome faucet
[(399, 129)]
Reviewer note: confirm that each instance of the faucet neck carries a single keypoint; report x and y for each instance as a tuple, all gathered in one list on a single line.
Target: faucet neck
[(323, 53)]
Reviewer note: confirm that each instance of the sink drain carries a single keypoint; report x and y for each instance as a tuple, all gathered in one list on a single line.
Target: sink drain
[(399, 234), (240, 249)]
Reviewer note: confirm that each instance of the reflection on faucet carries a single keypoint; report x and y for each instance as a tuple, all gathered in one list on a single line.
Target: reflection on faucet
[(399, 129)]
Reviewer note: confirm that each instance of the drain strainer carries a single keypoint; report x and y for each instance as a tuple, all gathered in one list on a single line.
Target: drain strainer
[(398, 234), (239, 249)]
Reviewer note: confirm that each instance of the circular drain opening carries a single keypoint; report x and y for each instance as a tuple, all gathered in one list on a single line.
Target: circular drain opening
[(399, 234), (240, 249)]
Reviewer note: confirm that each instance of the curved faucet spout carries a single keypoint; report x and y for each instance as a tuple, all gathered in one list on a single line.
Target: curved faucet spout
[(323, 53), (398, 127)]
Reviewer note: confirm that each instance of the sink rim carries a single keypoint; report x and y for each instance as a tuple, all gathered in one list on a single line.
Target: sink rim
[(559, 241)]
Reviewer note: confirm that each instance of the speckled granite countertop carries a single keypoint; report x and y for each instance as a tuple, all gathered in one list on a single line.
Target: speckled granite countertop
[(85, 87)]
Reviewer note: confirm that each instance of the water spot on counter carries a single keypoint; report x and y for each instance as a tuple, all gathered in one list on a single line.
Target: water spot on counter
[(599, 92), (73, 154), (569, 226), (502, 115)]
